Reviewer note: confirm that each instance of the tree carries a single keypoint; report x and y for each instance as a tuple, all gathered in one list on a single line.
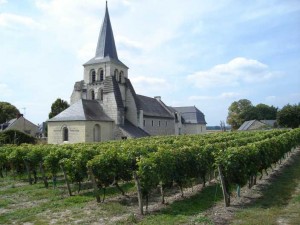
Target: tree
[(7, 112), (57, 107), (243, 110), (289, 116), (265, 112), (238, 112)]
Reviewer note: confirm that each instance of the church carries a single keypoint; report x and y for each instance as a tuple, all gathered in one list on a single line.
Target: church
[(104, 105)]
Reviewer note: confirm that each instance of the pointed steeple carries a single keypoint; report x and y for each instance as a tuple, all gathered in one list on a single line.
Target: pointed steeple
[(106, 42)]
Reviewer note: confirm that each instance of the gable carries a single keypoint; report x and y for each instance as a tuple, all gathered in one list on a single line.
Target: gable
[(190, 114)]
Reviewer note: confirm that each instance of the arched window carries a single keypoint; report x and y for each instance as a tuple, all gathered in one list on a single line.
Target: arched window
[(101, 75), (120, 77), (65, 134), (116, 74), (92, 94), (93, 76), (97, 133), (101, 94)]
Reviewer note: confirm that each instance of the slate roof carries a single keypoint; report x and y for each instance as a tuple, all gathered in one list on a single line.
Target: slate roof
[(152, 107), (106, 49), (82, 110), (5, 125), (246, 125), (111, 85), (269, 122), (190, 114), (133, 131)]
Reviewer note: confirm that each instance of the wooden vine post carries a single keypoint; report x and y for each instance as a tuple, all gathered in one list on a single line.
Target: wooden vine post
[(225, 195), (139, 192), (95, 187), (28, 171), (43, 175), (66, 179)]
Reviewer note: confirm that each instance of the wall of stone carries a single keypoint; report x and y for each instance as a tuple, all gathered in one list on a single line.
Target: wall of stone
[(76, 96), (110, 106), (159, 126), (79, 131), (106, 130), (108, 70), (76, 132), (131, 110), (193, 128)]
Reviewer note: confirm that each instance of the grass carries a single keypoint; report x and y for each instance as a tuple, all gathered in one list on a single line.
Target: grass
[(34, 203), (280, 201), (21, 203), (189, 210)]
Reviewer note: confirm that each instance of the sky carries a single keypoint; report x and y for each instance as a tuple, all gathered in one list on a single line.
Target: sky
[(199, 53)]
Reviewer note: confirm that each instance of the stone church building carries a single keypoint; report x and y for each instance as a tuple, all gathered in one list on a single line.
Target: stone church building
[(104, 105)]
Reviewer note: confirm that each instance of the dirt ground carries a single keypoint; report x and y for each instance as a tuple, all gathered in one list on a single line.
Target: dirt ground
[(222, 216)]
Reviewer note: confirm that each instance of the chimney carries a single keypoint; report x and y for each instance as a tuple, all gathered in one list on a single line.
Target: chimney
[(19, 115), (158, 98)]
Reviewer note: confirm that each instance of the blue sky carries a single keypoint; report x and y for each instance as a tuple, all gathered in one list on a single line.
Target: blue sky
[(197, 52)]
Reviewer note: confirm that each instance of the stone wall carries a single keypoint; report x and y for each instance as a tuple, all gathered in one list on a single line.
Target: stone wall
[(106, 130), (108, 70), (79, 131), (76, 132), (159, 126), (110, 106), (131, 113), (193, 128)]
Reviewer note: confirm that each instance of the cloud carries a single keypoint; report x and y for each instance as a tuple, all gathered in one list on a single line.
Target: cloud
[(238, 71), (3, 2), (225, 95), (148, 80), (14, 20)]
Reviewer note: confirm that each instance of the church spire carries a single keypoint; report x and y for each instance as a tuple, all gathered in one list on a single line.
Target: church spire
[(106, 42)]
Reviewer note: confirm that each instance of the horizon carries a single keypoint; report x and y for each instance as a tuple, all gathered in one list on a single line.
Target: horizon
[(203, 55)]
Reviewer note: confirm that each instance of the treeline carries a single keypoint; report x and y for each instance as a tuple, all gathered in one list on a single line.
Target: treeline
[(153, 162), (243, 110)]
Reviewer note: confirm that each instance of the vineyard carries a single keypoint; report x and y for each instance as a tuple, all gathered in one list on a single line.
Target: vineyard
[(152, 163)]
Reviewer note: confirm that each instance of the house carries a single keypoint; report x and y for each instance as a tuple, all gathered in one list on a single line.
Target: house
[(192, 120), (257, 125), (105, 106), (21, 124)]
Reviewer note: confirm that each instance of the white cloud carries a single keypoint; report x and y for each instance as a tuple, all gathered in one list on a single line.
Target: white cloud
[(128, 43), (238, 71), (3, 2), (12, 20), (225, 95), (148, 80)]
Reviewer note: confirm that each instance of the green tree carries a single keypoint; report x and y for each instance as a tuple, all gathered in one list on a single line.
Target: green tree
[(265, 112), (289, 116), (57, 107), (7, 112), (239, 112)]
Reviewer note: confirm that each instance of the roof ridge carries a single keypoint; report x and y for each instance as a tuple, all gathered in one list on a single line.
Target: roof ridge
[(106, 42)]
